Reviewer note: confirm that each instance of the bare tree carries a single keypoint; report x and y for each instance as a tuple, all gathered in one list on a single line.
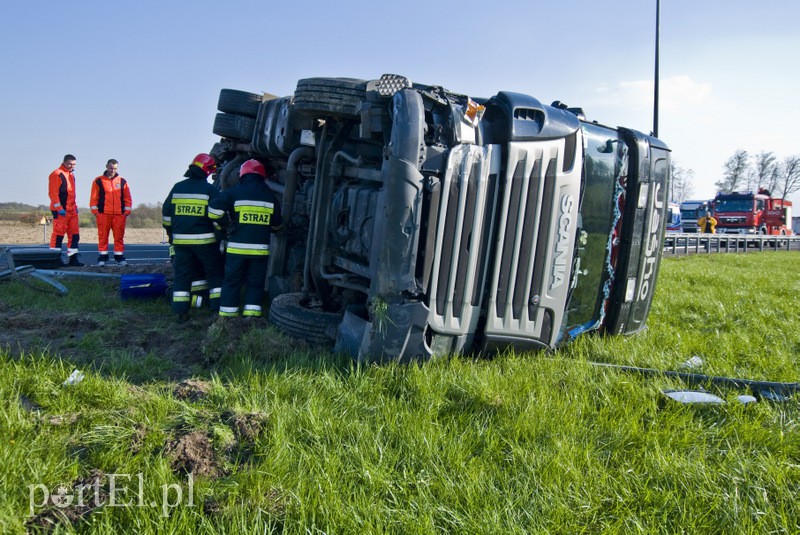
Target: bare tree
[(682, 184), (736, 171), (789, 176), (765, 167)]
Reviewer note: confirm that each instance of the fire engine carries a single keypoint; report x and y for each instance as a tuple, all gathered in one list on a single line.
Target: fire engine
[(752, 213)]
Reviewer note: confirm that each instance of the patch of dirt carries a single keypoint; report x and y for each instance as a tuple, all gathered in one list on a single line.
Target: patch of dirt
[(85, 494), (192, 390), (248, 426), (138, 437), (193, 453)]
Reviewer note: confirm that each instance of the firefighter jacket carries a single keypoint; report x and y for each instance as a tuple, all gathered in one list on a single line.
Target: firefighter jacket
[(185, 211), (253, 211), (61, 189), (110, 195)]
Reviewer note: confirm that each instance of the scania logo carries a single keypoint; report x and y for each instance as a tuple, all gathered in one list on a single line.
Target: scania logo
[(562, 243)]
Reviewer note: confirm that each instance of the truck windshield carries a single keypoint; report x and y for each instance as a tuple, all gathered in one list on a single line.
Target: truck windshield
[(689, 213), (599, 216), (734, 205)]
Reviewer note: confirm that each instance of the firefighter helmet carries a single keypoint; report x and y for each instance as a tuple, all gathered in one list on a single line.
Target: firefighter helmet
[(205, 162), (253, 166)]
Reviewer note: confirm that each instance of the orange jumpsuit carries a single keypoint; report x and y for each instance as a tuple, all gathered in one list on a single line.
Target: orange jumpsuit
[(110, 202), (61, 189)]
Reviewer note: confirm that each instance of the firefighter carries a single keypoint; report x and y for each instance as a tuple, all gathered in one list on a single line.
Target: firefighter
[(110, 202), (707, 223), (192, 234), (61, 189), (253, 212)]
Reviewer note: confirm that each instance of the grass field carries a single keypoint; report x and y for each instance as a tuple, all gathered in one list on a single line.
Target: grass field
[(191, 428)]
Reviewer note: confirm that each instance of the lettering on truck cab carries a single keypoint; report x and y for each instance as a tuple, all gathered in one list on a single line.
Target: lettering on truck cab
[(564, 227), (652, 249)]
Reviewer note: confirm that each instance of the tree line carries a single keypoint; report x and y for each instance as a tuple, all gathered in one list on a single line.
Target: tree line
[(744, 172)]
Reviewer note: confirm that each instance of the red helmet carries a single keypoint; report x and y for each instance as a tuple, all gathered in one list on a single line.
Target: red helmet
[(205, 162), (253, 166)]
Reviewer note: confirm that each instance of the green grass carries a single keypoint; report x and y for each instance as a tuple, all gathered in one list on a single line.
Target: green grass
[(297, 441)]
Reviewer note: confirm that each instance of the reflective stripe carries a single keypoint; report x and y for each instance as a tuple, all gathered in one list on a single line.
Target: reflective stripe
[(180, 297), (252, 307), (256, 204), (214, 292), (197, 196), (252, 313), (71, 251), (93, 208), (200, 285), (254, 249), (180, 294), (213, 213), (166, 219), (193, 239), (102, 252), (57, 205), (228, 311)]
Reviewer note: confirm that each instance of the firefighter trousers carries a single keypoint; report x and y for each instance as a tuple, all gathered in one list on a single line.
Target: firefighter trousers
[(250, 271), (190, 261)]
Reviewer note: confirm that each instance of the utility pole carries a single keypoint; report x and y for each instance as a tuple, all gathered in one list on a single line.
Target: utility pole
[(655, 92)]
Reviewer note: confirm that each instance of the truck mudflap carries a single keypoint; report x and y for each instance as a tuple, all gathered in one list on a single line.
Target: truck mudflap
[(642, 234), (535, 241)]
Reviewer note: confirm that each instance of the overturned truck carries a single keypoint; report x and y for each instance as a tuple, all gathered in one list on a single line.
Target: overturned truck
[(419, 221)]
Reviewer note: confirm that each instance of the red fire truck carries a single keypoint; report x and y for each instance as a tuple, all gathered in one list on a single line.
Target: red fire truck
[(752, 213)]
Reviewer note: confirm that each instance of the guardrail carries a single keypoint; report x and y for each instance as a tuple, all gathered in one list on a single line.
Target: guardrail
[(696, 243)]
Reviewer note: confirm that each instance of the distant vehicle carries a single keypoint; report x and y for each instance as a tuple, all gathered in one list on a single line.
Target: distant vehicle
[(752, 213), (420, 221), (673, 218), (691, 211)]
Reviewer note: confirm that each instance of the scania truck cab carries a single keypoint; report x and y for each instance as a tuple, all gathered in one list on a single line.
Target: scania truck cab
[(420, 221)]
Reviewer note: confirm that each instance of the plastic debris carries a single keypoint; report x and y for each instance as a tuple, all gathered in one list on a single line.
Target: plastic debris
[(75, 377), (694, 397), (693, 363)]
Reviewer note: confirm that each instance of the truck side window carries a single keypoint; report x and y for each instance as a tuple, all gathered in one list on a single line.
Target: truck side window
[(759, 204)]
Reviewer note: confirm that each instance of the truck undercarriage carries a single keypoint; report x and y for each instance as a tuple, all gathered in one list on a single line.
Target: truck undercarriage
[(421, 221)]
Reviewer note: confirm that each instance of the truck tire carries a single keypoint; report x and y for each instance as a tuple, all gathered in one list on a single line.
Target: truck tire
[(239, 102), (288, 314), (228, 175), (330, 96), (234, 127)]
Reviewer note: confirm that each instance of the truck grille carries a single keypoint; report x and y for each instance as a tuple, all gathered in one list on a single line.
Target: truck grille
[(466, 212), (522, 303)]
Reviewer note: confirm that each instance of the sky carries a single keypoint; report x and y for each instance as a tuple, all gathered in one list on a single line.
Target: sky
[(138, 81)]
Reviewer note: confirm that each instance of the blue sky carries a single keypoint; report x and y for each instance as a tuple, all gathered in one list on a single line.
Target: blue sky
[(139, 81)]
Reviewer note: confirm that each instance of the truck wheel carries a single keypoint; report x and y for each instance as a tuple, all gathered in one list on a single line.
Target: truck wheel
[(330, 96), (234, 127), (239, 102), (229, 173), (289, 314)]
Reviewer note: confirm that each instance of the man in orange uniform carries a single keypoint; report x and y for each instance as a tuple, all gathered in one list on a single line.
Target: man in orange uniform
[(111, 204), (61, 189)]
